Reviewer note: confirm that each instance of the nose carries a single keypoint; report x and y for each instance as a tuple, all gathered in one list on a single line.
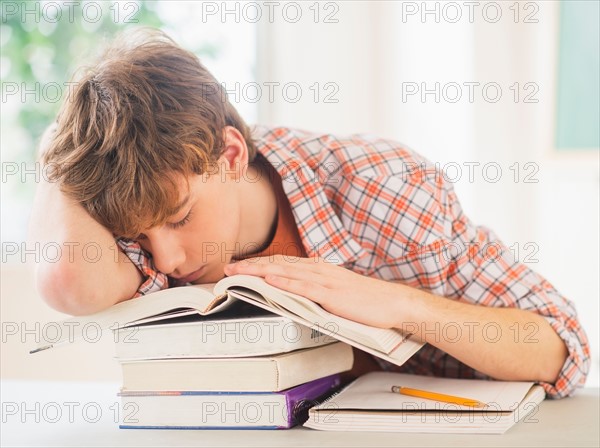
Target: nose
[(167, 254)]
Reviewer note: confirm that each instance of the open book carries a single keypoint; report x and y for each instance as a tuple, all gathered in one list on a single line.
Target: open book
[(388, 344)]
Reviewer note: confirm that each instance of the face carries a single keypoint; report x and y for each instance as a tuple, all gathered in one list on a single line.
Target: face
[(208, 231), (198, 241)]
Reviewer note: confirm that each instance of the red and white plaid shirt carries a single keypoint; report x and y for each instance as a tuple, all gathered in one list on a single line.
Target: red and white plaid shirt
[(383, 211)]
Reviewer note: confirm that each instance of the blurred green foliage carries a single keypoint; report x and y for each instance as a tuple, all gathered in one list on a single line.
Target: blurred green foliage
[(42, 45)]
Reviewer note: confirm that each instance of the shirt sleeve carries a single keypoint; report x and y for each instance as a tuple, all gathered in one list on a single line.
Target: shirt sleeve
[(482, 270), (422, 237), (154, 280)]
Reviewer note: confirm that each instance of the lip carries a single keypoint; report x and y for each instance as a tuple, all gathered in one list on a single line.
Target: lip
[(189, 277)]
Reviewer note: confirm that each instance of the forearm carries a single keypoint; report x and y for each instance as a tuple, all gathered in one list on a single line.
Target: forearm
[(90, 273), (504, 343)]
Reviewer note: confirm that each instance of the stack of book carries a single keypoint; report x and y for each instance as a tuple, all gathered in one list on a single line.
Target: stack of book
[(239, 353), (243, 368), (243, 354)]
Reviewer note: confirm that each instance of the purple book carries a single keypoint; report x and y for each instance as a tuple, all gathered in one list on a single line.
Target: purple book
[(224, 410)]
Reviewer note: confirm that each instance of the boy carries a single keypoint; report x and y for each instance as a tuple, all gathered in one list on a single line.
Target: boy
[(147, 151)]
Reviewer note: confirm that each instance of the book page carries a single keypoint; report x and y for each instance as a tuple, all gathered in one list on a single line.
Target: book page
[(373, 391), (259, 292), (298, 305), (156, 306)]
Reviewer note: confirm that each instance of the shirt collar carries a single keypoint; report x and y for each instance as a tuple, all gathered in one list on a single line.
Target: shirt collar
[(320, 229)]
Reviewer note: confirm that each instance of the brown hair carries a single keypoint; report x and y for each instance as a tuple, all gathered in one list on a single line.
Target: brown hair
[(146, 111)]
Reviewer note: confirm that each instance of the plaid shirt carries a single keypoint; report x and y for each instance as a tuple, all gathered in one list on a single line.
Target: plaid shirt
[(383, 211)]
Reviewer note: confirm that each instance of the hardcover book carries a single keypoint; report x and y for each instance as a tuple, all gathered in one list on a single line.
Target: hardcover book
[(256, 374), (223, 410)]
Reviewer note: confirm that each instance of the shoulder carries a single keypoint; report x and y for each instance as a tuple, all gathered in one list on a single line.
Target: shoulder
[(385, 193), (361, 154)]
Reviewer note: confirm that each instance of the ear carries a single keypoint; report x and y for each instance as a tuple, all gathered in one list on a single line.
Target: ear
[(233, 162)]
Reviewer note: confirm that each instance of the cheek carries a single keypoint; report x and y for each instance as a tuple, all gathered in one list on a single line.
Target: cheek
[(222, 218), (213, 232), (212, 235)]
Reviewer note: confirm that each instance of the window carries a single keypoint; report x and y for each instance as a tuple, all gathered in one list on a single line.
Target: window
[(578, 96)]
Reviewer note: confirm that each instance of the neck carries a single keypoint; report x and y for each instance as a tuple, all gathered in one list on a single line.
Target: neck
[(258, 209)]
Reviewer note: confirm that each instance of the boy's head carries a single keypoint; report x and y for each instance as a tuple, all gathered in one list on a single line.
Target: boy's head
[(145, 116)]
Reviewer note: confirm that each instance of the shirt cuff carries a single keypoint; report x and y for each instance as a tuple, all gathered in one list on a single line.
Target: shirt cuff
[(576, 366), (154, 280)]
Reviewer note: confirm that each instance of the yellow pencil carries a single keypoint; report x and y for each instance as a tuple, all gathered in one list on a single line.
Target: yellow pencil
[(438, 397)]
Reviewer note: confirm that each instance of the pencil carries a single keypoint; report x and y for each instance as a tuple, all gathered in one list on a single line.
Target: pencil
[(438, 397)]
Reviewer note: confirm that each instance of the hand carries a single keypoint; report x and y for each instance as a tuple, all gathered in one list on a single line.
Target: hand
[(338, 290)]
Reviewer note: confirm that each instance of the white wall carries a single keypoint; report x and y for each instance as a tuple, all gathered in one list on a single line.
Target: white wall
[(376, 48)]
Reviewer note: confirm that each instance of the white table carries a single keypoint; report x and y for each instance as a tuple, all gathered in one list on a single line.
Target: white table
[(84, 414)]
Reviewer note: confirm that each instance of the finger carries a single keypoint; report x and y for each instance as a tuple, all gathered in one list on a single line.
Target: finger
[(292, 271), (291, 262), (261, 269), (316, 264), (309, 289)]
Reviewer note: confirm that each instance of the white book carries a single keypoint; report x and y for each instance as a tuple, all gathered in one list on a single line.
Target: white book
[(240, 331), (256, 374), (368, 404), (389, 344), (222, 410)]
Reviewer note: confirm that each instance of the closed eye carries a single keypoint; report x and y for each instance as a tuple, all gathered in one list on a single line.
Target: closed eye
[(184, 221), (173, 225)]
